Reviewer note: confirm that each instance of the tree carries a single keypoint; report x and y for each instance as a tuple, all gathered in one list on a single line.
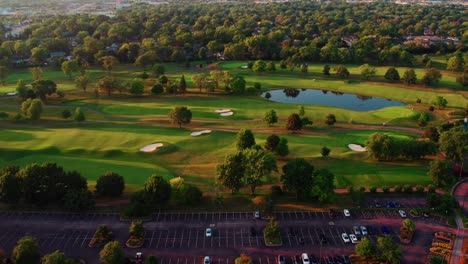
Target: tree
[(32, 108), (323, 185), (270, 117), (390, 251), (409, 77), (272, 142), (392, 74), (180, 115), (298, 177), (423, 118), (326, 69), (325, 151), (301, 111), (42, 88), (294, 122), (258, 164), (462, 78), (110, 184), (367, 71), (432, 133), (409, 225), (238, 85), (217, 76), (259, 66), (158, 69), (455, 63), (39, 55), (108, 62), (157, 89), (3, 74), (440, 173), (10, 188), (68, 67), (137, 87), (282, 149), (365, 248), (78, 200), (182, 84), (270, 66), (330, 120), (440, 102), (199, 80), (36, 73), (231, 172), (381, 147), (79, 115), (112, 253), (455, 145), (56, 257), (82, 82), (245, 139), (431, 76), (21, 89), (26, 251), (342, 71), (157, 191)]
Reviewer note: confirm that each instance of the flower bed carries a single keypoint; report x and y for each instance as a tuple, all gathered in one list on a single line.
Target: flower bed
[(137, 235), (135, 242), (445, 235), (405, 235), (101, 236), (441, 245)]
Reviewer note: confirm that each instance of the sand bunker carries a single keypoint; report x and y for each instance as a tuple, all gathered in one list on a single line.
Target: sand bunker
[(356, 147), (11, 93), (198, 133), (244, 67), (230, 113), (151, 147), (222, 110)]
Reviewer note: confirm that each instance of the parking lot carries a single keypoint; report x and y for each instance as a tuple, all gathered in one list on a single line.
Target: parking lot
[(230, 260), (392, 201)]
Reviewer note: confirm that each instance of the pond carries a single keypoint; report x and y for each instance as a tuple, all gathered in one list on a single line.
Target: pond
[(328, 98)]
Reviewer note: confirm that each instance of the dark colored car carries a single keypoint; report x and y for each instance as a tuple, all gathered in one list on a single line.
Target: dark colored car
[(347, 260), (397, 204), (281, 259), (253, 232), (331, 213), (330, 260), (390, 205), (339, 260), (313, 260), (385, 230), (297, 259), (377, 204)]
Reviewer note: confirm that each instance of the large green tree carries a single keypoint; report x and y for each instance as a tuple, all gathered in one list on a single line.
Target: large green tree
[(245, 139), (258, 164), (440, 172), (298, 177), (56, 257), (294, 122), (270, 117), (157, 191), (323, 185), (381, 147), (389, 250), (26, 251), (455, 145), (10, 188), (180, 115), (32, 108), (110, 184), (230, 173), (364, 248), (112, 253)]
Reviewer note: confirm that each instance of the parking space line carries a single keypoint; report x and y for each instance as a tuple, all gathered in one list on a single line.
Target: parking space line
[(227, 239), (182, 238), (242, 237), (86, 237)]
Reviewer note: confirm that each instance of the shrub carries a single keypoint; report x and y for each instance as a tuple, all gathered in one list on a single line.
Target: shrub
[(419, 189), (362, 189), (397, 189), (431, 108), (407, 188), (349, 189), (418, 101), (157, 89), (385, 189), (144, 75), (66, 113), (431, 188), (373, 189)]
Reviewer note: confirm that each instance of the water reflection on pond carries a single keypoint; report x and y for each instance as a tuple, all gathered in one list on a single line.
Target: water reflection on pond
[(329, 98)]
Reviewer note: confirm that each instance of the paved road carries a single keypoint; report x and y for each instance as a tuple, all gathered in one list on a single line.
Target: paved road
[(180, 238)]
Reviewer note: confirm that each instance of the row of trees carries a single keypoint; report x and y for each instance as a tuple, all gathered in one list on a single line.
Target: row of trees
[(384, 147), (386, 249)]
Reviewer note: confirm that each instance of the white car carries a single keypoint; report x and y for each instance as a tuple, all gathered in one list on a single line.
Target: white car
[(353, 238), (208, 232), (257, 215), (345, 238), (402, 213), (305, 258), (206, 260), (346, 213), (364, 231)]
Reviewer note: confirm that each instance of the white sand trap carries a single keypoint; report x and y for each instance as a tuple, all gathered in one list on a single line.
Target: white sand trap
[(222, 110), (244, 67), (356, 147), (11, 93), (230, 113), (198, 133), (151, 147)]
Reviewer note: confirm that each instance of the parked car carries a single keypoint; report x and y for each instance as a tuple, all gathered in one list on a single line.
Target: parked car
[(206, 260), (297, 259), (305, 258), (346, 213), (257, 215), (390, 205), (402, 213), (377, 204), (347, 260), (139, 257), (397, 204), (353, 238), (356, 230), (364, 231), (331, 213), (208, 232), (385, 230), (330, 260), (281, 259), (314, 260), (345, 238), (426, 214), (339, 260)]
